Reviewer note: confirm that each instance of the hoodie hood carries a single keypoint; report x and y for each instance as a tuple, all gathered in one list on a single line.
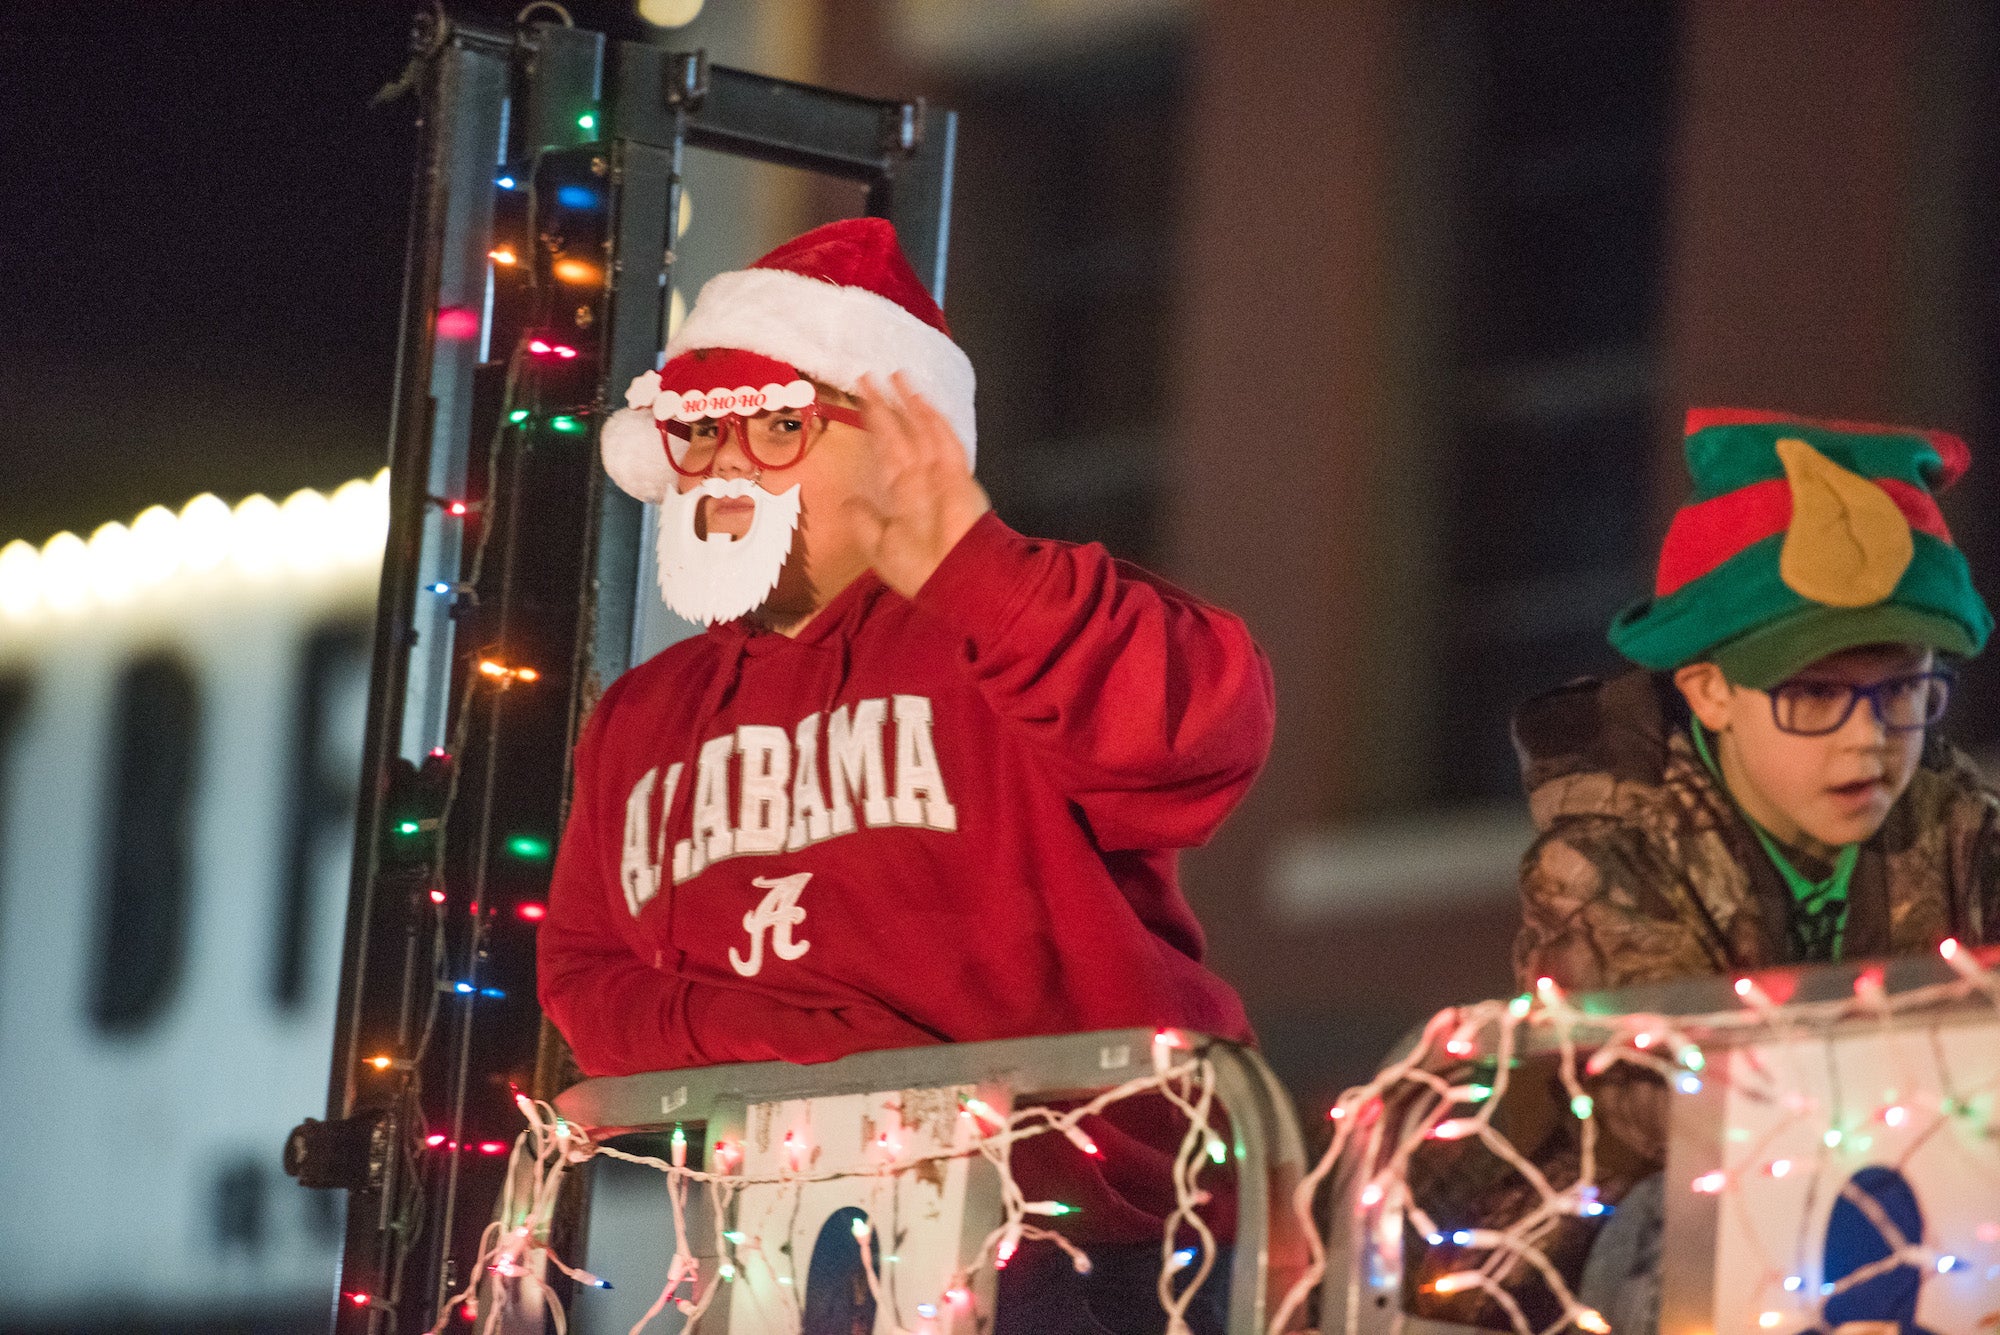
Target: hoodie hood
[(822, 651)]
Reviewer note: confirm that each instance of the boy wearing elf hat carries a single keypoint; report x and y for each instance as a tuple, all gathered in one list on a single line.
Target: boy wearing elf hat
[(1768, 790), (922, 779)]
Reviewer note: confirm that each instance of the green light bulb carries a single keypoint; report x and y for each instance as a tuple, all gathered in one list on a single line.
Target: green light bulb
[(528, 846), (518, 416), (587, 121), (566, 424), (406, 827)]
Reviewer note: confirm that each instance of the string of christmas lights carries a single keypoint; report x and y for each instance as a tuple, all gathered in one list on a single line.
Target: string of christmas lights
[(515, 1247), (449, 979), (1368, 1139)]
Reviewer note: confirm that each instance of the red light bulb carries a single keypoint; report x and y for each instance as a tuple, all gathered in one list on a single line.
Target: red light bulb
[(457, 322)]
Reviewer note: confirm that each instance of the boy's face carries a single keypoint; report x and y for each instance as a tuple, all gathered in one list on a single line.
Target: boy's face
[(1835, 788), (827, 549)]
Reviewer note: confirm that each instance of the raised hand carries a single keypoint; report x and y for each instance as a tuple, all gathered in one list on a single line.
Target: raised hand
[(918, 496)]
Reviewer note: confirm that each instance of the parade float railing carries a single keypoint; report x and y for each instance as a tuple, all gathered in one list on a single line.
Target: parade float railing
[(1810, 1149), (894, 1166)]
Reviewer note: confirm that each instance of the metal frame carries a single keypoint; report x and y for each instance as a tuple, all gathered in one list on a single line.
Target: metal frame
[(1269, 1152), (481, 90), (1694, 1145)]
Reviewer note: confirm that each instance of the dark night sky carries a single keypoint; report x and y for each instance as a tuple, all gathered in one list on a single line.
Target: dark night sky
[(201, 249)]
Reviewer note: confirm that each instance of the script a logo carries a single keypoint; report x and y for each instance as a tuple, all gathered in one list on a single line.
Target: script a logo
[(778, 913)]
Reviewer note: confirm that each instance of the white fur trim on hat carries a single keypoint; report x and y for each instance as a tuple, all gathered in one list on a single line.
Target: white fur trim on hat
[(634, 454), (832, 333)]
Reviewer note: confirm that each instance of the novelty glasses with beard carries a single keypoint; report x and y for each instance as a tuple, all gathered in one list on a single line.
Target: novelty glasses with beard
[(775, 416)]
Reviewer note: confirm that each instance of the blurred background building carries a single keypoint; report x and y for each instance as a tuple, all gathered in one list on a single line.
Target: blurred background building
[(1370, 319)]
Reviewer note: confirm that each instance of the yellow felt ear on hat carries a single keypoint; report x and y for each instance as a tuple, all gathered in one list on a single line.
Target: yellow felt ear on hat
[(1847, 544)]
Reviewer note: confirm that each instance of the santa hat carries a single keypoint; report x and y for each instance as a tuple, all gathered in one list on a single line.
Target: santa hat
[(833, 305)]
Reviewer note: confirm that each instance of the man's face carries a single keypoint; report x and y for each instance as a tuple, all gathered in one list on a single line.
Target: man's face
[(1837, 787), (827, 550)]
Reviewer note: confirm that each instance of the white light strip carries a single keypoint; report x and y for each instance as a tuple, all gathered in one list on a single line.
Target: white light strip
[(259, 540)]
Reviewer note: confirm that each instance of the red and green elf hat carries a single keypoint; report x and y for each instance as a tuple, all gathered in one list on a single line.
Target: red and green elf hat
[(1804, 538)]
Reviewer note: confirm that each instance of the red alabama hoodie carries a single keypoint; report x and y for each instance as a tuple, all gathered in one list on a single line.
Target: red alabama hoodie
[(943, 819)]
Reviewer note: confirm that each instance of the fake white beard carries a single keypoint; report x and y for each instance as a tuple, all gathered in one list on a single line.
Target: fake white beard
[(719, 578)]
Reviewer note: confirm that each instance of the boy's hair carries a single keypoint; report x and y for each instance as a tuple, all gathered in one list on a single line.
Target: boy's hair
[(1804, 538)]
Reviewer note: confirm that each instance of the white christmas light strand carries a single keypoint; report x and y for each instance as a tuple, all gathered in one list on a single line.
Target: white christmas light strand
[(1452, 1036), (515, 1247), (257, 539)]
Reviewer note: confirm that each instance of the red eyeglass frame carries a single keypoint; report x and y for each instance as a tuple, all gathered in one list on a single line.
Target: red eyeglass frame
[(811, 412)]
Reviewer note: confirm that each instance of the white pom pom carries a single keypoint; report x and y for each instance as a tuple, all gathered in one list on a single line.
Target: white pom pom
[(644, 387), (634, 455)]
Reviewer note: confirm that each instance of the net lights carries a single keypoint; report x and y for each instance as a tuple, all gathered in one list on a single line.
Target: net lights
[(1429, 1109), (516, 1244), (258, 540)]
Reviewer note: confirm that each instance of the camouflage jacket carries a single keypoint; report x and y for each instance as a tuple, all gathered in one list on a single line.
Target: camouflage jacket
[(1645, 871)]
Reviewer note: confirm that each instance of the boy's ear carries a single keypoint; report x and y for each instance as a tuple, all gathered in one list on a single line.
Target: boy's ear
[(1707, 693)]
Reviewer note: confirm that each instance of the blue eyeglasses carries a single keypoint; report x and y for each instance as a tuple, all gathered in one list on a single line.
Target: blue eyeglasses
[(1811, 708)]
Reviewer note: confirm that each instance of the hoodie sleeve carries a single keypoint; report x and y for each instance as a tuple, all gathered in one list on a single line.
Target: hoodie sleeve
[(621, 1014), (1153, 710)]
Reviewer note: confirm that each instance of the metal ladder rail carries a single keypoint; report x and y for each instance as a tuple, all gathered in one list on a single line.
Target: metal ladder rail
[(1269, 1150)]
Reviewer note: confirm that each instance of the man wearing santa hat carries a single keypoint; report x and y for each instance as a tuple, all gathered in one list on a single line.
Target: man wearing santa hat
[(922, 779)]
